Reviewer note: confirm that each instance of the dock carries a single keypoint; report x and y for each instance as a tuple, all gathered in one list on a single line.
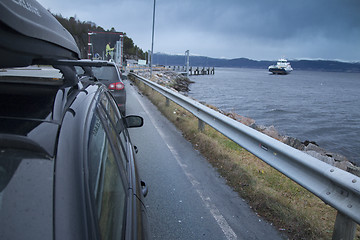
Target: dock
[(193, 70)]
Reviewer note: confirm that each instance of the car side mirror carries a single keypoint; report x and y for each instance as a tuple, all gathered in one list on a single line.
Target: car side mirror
[(133, 121)]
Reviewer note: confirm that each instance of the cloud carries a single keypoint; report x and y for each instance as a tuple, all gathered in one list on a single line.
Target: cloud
[(261, 29)]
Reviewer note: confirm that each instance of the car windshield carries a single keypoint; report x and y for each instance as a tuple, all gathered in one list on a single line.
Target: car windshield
[(26, 180), (105, 73)]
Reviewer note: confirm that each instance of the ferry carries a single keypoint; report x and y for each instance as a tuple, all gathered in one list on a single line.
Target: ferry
[(282, 67)]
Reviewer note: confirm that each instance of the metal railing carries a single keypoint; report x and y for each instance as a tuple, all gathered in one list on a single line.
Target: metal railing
[(336, 187)]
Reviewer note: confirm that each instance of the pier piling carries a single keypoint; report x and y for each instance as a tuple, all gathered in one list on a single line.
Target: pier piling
[(194, 70)]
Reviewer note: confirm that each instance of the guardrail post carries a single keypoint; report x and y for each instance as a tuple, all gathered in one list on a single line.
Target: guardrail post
[(201, 125), (167, 102), (344, 228)]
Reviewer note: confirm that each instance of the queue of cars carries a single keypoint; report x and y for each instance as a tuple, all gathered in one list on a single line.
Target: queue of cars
[(67, 164)]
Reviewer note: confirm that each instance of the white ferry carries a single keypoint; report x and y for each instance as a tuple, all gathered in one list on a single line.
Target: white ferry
[(282, 67)]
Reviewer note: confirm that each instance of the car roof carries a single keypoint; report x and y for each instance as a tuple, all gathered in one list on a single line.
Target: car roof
[(92, 61)]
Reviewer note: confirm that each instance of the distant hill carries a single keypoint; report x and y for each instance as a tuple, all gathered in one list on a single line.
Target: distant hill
[(200, 61)]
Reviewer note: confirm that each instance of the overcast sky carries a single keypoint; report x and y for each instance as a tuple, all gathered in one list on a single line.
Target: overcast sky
[(255, 29)]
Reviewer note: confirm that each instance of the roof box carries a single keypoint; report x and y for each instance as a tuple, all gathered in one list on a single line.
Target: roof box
[(30, 34)]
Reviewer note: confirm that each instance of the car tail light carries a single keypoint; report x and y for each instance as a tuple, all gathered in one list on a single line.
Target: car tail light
[(116, 86)]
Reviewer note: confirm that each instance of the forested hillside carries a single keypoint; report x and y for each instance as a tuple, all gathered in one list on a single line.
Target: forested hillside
[(79, 30)]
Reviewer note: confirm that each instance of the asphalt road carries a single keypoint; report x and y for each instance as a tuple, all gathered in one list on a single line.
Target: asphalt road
[(187, 198)]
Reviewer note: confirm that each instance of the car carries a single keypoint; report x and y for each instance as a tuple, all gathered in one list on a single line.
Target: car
[(108, 73), (67, 163)]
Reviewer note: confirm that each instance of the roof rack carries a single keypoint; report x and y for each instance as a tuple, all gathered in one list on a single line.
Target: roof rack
[(66, 67), (65, 77)]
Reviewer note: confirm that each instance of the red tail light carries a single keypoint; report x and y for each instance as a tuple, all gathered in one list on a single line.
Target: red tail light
[(116, 86)]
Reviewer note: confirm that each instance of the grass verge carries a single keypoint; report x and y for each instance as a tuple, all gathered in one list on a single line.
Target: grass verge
[(292, 209)]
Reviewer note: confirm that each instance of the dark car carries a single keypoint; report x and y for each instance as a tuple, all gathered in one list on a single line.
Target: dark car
[(67, 165), (108, 73)]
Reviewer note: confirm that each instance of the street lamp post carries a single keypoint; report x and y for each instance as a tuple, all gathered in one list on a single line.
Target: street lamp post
[(152, 41), (187, 62)]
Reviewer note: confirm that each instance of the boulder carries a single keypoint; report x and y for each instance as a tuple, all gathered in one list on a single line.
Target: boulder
[(337, 157), (307, 142), (244, 120), (271, 132), (321, 157), (293, 142), (313, 147), (180, 83)]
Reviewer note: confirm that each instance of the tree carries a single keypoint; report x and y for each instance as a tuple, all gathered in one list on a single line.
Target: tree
[(79, 30)]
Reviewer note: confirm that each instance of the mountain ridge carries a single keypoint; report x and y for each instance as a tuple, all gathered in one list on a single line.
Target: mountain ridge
[(202, 61)]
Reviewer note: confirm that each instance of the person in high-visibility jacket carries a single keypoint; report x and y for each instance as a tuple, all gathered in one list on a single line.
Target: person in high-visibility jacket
[(108, 50)]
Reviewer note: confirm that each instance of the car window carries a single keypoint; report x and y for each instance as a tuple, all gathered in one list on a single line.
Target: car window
[(106, 183), (105, 73), (116, 119), (116, 124)]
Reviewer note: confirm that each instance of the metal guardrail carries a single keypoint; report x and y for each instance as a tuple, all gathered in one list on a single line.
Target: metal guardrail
[(336, 187)]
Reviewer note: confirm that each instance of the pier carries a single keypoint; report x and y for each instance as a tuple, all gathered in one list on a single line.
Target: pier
[(193, 70)]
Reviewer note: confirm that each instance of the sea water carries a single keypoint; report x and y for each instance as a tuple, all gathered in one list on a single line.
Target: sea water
[(309, 105)]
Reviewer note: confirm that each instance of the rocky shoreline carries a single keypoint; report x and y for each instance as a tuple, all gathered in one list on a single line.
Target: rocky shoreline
[(181, 83), (168, 79), (309, 147)]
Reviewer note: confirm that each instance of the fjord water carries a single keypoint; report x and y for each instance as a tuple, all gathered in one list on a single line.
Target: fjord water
[(309, 105)]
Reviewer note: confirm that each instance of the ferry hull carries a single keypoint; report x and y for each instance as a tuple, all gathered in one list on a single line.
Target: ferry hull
[(279, 71)]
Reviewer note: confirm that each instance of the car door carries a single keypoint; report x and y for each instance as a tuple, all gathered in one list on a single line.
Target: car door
[(118, 210), (108, 185)]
